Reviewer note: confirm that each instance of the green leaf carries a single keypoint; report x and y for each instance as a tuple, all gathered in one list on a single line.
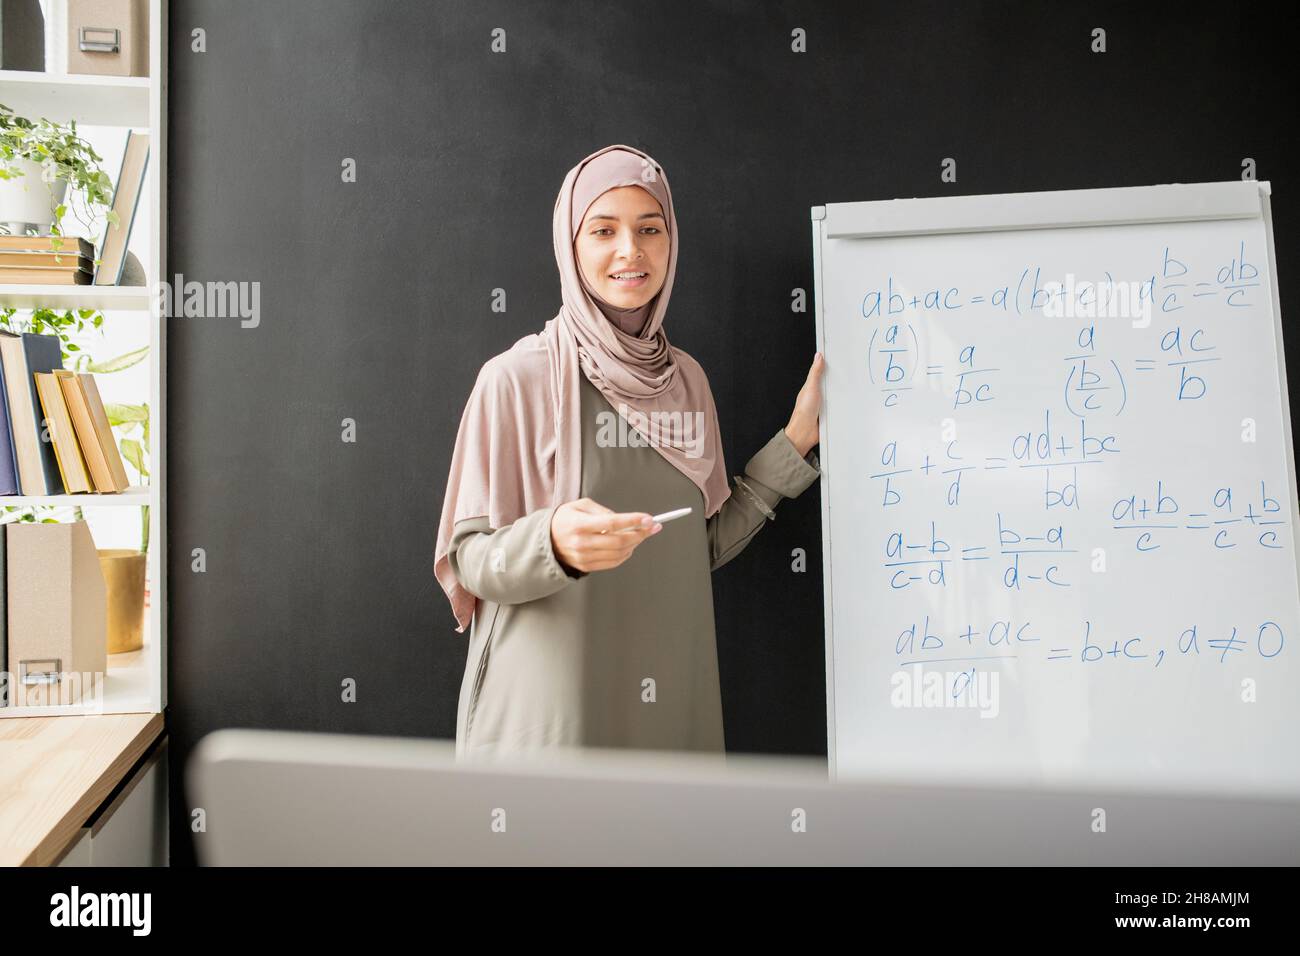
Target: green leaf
[(119, 414), (121, 362), (132, 453)]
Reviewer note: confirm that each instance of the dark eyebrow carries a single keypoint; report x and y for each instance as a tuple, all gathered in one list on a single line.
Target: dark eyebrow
[(644, 215)]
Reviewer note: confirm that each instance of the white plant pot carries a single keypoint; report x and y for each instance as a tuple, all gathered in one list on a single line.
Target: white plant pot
[(28, 202)]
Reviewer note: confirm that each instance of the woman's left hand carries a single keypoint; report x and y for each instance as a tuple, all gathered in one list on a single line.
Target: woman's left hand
[(803, 430)]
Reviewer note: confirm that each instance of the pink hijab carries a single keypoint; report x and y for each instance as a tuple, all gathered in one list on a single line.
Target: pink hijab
[(519, 446)]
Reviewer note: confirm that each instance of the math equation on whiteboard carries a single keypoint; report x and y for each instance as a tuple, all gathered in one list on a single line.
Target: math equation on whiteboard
[(1081, 460)]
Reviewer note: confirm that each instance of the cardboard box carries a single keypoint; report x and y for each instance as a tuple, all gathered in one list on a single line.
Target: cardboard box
[(108, 37), (57, 614)]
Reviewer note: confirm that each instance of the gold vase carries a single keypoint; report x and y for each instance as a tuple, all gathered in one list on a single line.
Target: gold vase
[(124, 573)]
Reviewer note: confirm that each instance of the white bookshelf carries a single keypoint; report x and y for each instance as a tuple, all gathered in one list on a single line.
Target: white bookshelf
[(135, 681), (90, 100)]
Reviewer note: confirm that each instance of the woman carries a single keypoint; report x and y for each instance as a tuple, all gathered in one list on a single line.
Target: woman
[(591, 625)]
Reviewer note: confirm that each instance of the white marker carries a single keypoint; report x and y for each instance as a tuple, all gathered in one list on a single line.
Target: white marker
[(666, 516)]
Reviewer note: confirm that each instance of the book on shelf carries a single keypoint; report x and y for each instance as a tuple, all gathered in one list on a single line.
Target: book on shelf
[(68, 247), (22, 356), (44, 276), (33, 260), (126, 202), (8, 451), (41, 398), (72, 463), (94, 434)]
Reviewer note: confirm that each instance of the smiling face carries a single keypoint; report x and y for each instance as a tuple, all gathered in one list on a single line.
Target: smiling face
[(622, 247)]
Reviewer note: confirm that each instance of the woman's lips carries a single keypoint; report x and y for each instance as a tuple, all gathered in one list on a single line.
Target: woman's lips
[(631, 283)]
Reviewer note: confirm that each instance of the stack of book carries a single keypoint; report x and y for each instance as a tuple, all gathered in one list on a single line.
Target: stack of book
[(54, 435), (34, 260)]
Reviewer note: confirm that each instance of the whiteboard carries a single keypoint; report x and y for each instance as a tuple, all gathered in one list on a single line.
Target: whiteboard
[(1058, 490)]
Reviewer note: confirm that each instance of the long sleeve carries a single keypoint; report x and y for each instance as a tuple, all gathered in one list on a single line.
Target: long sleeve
[(509, 565), (775, 472)]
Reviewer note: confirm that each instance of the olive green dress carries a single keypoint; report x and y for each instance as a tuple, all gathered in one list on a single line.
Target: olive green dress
[(624, 657)]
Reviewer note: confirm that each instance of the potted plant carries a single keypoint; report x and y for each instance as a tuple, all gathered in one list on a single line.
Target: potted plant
[(38, 162)]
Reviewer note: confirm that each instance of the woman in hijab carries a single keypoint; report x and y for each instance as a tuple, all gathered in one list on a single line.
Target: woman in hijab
[(590, 625)]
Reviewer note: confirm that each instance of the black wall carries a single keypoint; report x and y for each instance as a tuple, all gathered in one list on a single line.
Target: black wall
[(23, 26), (375, 295)]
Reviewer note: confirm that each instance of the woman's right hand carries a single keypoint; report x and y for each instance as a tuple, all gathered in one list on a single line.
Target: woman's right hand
[(577, 541)]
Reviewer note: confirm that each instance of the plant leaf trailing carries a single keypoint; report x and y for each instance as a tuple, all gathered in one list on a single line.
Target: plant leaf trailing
[(62, 154)]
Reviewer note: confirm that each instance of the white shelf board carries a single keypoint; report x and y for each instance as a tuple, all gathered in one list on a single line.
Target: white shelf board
[(92, 100), (76, 296), (127, 688), (134, 495)]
